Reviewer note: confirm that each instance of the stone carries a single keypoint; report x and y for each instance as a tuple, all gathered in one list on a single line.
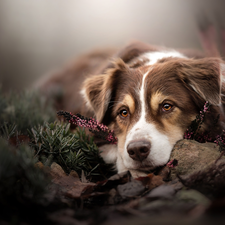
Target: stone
[(163, 191), (193, 156)]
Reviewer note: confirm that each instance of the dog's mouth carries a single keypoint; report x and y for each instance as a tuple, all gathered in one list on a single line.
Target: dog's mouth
[(144, 166), (147, 169)]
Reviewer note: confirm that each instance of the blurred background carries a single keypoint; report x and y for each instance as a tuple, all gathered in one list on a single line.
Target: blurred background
[(38, 36)]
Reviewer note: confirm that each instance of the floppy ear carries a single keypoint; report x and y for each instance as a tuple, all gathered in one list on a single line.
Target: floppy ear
[(204, 76), (99, 90)]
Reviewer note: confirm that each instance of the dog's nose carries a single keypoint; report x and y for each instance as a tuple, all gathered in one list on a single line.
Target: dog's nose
[(139, 150)]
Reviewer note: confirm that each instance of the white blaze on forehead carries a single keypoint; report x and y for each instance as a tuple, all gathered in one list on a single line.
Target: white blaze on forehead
[(142, 96), (138, 127), (155, 56)]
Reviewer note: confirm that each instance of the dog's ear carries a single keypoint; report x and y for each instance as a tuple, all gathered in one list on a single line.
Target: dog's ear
[(204, 76), (99, 90)]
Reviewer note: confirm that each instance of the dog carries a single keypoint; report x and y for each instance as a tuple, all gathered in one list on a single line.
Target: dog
[(148, 95)]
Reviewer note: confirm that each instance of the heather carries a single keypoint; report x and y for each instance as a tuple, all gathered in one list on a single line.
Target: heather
[(194, 132), (100, 130)]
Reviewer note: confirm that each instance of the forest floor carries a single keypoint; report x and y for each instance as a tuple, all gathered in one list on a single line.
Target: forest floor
[(50, 175)]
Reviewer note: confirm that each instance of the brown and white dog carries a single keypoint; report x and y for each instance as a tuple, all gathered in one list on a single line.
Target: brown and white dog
[(147, 95)]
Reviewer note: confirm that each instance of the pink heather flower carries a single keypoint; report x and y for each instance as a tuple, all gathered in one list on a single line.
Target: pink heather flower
[(172, 163), (192, 131), (220, 140), (206, 106), (93, 125)]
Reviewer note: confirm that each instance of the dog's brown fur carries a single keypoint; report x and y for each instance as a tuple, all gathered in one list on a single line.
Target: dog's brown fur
[(64, 84), (112, 83)]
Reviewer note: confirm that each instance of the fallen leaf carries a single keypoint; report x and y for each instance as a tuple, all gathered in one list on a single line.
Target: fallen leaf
[(155, 182), (39, 165), (70, 185), (106, 185), (164, 173), (151, 181)]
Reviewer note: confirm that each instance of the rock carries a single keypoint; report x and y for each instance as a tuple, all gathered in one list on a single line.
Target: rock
[(193, 196), (209, 181), (163, 191), (163, 207), (200, 166), (131, 189), (193, 156)]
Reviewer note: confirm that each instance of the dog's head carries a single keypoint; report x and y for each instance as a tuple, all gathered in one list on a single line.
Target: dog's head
[(150, 106)]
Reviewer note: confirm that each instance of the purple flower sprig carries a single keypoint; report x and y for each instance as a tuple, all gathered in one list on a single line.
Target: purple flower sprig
[(99, 129), (220, 140), (193, 131), (172, 163)]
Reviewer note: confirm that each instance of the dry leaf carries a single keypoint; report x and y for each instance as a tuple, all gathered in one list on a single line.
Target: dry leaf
[(151, 181), (70, 185)]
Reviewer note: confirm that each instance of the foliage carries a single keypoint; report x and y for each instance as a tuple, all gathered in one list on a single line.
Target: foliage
[(73, 151), (8, 130), (25, 110), (20, 179), (28, 114)]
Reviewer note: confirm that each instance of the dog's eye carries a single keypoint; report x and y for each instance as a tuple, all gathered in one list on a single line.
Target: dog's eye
[(167, 107), (124, 113)]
